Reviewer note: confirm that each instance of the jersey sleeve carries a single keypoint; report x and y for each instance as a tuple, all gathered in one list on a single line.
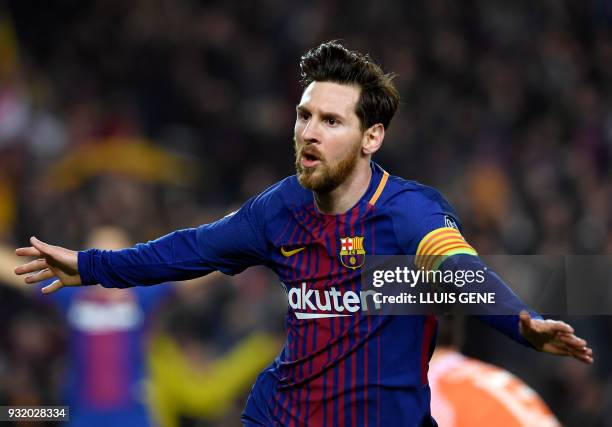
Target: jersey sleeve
[(428, 227), (236, 241), (229, 245), (435, 230), (439, 235)]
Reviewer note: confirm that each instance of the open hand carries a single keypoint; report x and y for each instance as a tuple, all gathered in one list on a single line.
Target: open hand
[(554, 337), (53, 261)]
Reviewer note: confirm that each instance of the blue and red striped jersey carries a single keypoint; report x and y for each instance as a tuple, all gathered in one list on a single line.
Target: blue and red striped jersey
[(104, 382), (338, 367)]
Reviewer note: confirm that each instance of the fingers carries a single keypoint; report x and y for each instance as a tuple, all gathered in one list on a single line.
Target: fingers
[(570, 345), (584, 356), (45, 274), (586, 353), (31, 267), (572, 340), (544, 326), (39, 245), (559, 326), (38, 248), (52, 287), (560, 349), (35, 251), (29, 251), (578, 347)]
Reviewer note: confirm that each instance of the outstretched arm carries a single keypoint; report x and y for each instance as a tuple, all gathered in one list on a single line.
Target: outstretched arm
[(442, 246), (525, 327), (229, 245), (173, 257)]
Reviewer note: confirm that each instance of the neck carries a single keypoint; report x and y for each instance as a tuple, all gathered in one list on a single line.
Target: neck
[(347, 194)]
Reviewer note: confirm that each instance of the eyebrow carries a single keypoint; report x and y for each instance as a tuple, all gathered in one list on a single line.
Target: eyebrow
[(324, 114)]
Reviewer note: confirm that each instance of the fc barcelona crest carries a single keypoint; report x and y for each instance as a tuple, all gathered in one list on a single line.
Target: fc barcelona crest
[(352, 254)]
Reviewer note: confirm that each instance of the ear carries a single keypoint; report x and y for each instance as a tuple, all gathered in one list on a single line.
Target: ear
[(373, 138)]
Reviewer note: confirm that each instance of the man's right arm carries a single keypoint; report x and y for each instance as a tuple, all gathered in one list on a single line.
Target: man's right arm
[(229, 245), (173, 257)]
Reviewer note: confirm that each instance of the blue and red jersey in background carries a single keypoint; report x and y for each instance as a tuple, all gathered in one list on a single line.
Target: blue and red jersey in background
[(106, 355)]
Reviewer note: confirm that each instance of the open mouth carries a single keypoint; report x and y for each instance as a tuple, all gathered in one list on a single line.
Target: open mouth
[(309, 159)]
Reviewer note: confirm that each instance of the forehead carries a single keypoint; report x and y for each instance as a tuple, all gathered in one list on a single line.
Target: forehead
[(330, 98)]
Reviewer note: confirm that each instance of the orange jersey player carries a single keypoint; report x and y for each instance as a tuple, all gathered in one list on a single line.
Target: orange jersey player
[(467, 392)]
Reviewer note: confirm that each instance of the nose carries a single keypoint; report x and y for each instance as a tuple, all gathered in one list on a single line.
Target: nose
[(310, 133)]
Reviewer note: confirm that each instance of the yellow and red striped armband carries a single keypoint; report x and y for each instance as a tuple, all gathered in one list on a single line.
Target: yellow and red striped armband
[(438, 245)]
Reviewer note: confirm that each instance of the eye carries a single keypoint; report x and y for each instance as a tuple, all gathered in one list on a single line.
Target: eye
[(303, 115), (332, 121)]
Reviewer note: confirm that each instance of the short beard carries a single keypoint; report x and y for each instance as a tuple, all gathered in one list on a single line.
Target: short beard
[(324, 179)]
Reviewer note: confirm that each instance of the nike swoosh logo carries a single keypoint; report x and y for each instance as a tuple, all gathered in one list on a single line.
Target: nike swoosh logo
[(287, 253)]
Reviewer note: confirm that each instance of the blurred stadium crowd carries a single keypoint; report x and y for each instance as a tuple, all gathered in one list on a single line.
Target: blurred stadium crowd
[(154, 116)]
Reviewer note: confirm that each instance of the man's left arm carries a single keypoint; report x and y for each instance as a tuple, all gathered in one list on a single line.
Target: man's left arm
[(440, 245), (523, 325)]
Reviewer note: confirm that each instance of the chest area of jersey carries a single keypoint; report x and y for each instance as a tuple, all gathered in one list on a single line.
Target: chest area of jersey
[(333, 251)]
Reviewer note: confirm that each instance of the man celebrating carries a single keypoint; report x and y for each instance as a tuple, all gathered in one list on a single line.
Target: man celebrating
[(338, 366)]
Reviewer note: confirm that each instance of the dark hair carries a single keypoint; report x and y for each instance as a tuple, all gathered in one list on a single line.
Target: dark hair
[(332, 62)]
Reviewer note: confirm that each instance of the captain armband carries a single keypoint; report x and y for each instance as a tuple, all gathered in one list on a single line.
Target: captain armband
[(440, 244)]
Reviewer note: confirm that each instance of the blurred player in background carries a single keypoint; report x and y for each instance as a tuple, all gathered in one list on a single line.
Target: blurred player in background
[(338, 367), (106, 365), (107, 379), (466, 392)]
